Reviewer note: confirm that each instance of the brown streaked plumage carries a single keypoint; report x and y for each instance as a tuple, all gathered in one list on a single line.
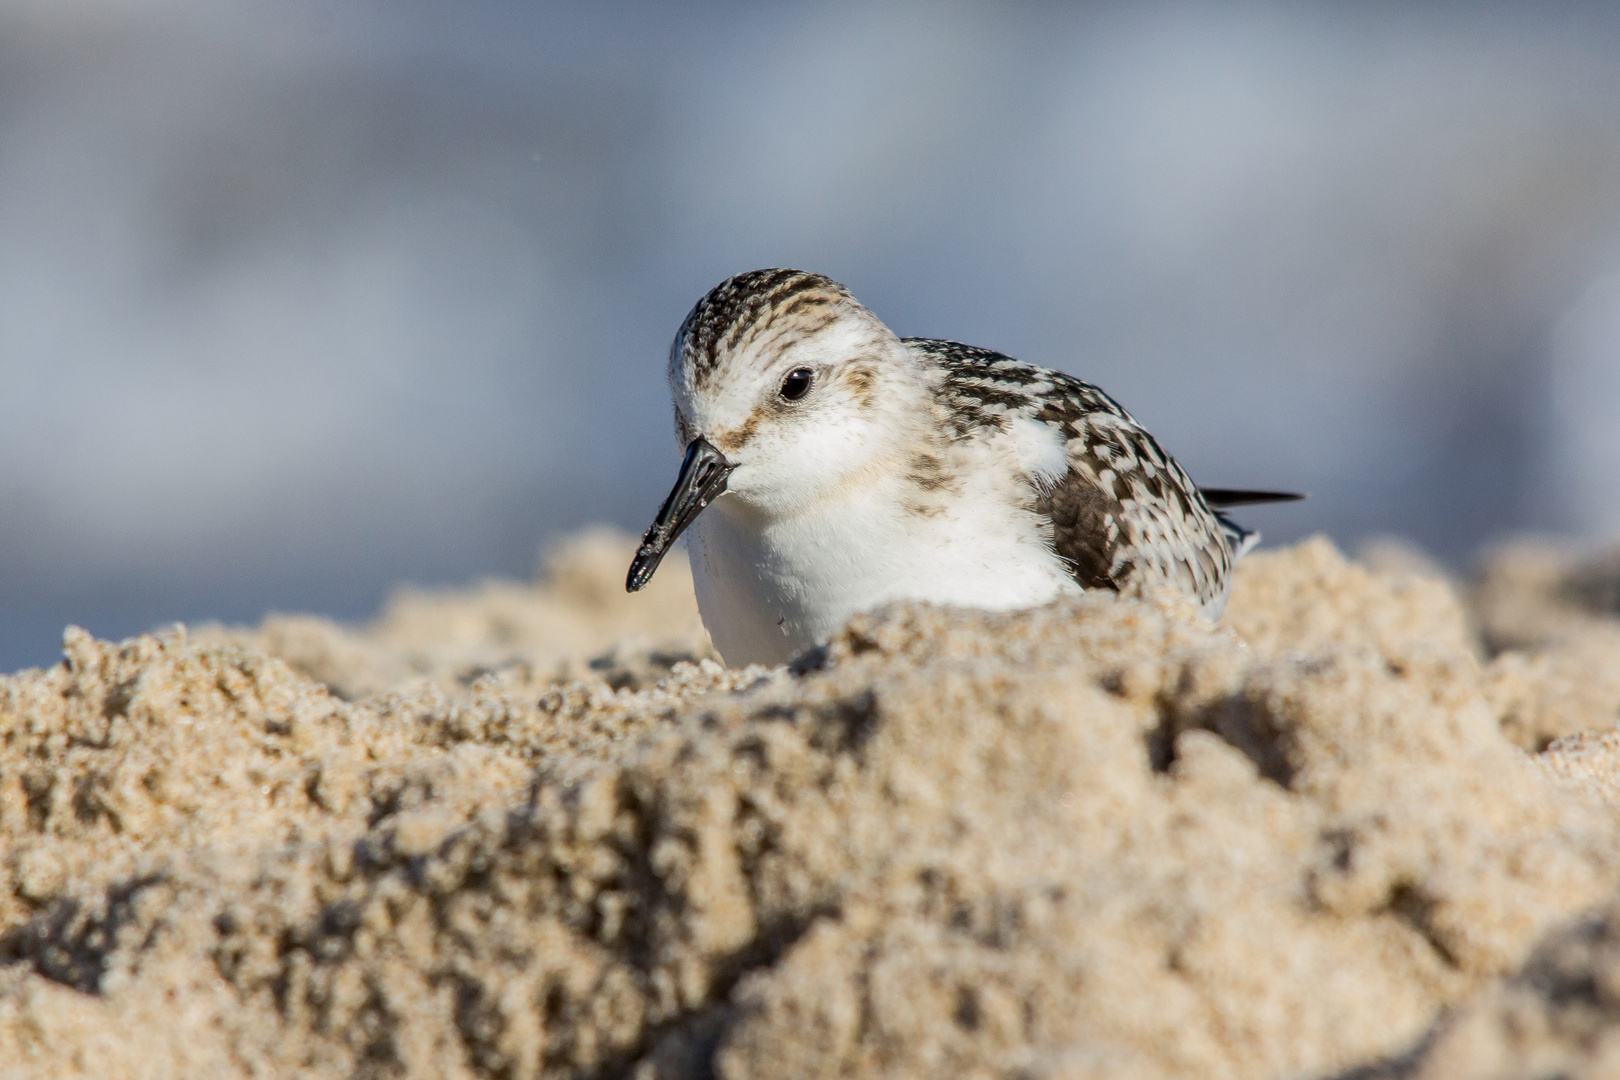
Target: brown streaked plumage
[(1125, 512)]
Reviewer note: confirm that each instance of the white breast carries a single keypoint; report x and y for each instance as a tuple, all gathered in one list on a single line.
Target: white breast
[(770, 589)]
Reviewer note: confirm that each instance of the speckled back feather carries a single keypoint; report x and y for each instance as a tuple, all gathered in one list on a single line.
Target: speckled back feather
[(1125, 512)]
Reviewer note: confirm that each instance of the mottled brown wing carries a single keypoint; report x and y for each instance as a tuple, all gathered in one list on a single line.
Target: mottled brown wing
[(1126, 511), (1085, 528)]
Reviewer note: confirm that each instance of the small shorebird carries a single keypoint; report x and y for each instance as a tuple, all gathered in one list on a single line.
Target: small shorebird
[(849, 467)]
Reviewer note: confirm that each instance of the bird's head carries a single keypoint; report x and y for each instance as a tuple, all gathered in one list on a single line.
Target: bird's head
[(787, 391)]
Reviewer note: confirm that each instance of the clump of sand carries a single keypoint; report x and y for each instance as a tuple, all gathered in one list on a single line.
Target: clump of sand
[(537, 831), (1552, 614)]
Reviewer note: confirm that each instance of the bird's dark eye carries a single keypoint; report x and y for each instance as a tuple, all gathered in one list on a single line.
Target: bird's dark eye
[(797, 383)]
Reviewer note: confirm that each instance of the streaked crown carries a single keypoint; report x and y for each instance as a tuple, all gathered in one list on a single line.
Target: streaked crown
[(762, 311)]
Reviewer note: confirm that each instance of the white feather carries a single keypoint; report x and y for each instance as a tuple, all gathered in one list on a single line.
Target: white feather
[(1040, 450)]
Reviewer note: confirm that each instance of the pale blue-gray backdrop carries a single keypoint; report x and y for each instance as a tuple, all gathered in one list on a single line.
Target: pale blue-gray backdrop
[(300, 299)]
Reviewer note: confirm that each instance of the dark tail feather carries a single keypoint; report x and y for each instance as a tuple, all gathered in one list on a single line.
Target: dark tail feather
[(1223, 497)]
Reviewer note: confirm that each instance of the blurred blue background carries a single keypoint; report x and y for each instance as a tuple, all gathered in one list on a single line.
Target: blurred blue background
[(300, 299)]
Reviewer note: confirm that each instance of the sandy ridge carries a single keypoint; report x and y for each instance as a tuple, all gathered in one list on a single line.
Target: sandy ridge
[(1363, 828)]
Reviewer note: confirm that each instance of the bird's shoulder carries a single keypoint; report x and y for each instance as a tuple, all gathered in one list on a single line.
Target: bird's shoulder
[(981, 389)]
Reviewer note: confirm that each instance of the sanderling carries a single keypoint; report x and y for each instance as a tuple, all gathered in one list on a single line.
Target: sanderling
[(849, 467)]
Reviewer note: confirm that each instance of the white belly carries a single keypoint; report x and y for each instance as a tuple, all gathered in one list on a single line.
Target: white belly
[(768, 590)]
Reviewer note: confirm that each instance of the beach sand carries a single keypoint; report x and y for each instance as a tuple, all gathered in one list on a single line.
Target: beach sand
[(1368, 826)]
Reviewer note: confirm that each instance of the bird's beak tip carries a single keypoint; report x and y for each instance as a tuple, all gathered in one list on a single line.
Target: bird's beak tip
[(702, 479)]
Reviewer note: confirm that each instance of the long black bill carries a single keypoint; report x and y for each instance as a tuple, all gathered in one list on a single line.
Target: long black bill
[(703, 477)]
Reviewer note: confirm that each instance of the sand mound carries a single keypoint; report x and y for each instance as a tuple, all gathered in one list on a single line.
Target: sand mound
[(535, 830)]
